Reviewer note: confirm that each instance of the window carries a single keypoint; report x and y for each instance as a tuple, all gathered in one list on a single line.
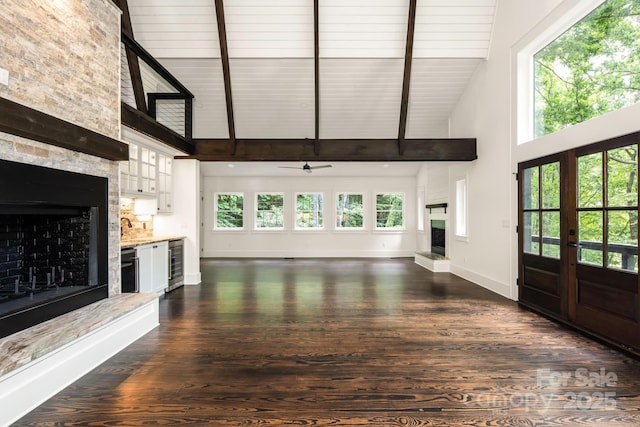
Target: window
[(590, 70), (461, 208), (389, 210), (541, 210), (270, 211), (229, 210), (608, 208), (349, 211), (309, 211)]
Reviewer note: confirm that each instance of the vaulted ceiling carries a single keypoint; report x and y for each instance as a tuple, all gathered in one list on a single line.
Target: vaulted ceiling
[(361, 55)]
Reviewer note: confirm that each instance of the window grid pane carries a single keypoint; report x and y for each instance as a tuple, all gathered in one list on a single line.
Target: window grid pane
[(270, 211), (389, 210), (349, 211), (229, 211), (309, 210)]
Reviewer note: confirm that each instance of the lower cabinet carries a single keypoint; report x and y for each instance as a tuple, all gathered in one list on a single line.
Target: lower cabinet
[(153, 266)]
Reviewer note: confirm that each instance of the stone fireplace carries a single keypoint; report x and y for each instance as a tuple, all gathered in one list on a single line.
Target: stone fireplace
[(53, 243)]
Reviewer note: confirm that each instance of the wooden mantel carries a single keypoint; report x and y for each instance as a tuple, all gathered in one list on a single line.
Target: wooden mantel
[(17, 119)]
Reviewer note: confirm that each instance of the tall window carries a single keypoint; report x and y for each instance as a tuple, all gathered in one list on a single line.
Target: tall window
[(461, 208), (349, 211), (229, 210), (309, 209), (270, 211), (389, 210), (590, 70)]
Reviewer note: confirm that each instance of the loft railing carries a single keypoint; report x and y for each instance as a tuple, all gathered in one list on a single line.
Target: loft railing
[(152, 90)]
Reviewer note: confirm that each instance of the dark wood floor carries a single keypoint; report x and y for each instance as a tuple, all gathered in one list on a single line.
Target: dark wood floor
[(349, 342)]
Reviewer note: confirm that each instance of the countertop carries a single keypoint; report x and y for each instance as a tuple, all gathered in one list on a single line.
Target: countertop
[(130, 243)]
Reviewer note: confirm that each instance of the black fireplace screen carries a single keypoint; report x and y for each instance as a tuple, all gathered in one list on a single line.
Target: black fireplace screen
[(438, 237), (53, 243)]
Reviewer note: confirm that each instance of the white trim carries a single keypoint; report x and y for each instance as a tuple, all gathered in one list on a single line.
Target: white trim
[(193, 278), (25, 388), (503, 289), (310, 253)]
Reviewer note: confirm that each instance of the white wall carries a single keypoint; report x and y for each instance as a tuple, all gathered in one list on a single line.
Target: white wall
[(487, 110), (313, 243), (185, 218), (484, 112)]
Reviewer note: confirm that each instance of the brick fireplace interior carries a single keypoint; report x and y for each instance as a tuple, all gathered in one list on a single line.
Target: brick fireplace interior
[(53, 243)]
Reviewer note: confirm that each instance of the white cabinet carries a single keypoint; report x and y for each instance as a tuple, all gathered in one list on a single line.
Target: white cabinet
[(153, 266), (148, 173), (164, 182)]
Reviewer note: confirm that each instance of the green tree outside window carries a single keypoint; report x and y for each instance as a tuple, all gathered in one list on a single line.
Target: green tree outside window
[(389, 210), (229, 210), (590, 70)]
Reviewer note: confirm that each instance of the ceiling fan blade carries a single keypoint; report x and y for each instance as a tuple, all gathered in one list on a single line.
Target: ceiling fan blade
[(289, 167), (321, 166)]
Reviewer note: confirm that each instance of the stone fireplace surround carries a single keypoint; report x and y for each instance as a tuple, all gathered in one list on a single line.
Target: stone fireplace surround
[(38, 362)]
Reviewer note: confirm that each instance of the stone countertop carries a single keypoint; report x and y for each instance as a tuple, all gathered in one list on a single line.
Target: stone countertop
[(131, 243)]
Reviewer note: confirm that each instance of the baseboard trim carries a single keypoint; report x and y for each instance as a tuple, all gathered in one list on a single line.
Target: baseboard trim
[(499, 288)]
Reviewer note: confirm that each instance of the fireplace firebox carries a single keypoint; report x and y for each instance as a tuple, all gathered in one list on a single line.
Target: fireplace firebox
[(53, 243), (438, 237)]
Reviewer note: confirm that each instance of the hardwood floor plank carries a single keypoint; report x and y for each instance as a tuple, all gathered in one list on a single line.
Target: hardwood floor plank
[(359, 342)]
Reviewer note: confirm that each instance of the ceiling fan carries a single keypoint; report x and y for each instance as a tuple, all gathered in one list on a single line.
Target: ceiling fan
[(306, 168)]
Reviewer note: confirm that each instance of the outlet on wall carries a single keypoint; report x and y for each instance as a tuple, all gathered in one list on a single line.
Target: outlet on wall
[(4, 77)]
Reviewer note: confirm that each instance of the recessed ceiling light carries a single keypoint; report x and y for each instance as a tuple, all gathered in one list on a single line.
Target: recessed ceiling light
[(231, 165), (386, 165)]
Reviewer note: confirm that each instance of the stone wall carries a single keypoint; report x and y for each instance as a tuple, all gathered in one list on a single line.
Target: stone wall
[(63, 58)]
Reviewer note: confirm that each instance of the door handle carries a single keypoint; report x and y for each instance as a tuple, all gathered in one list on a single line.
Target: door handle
[(573, 244)]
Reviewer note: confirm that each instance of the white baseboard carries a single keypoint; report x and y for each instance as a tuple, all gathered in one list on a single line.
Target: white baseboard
[(24, 389), (193, 278), (486, 282), (309, 254)]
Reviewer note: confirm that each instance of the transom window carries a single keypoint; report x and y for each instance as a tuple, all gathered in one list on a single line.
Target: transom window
[(389, 211), (590, 70), (229, 210), (270, 210), (349, 211)]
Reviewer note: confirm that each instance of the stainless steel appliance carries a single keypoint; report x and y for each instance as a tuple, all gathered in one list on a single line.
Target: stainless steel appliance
[(176, 264), (129, 270)]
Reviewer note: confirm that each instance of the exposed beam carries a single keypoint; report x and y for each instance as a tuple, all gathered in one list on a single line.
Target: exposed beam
[(408, 57), (462, 149), (26, 122), (147, 125), (316, 62), (226, 73), (132, 58), (153, 62)]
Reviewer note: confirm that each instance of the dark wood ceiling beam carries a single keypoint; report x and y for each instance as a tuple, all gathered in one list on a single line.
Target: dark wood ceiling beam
[(316, 62), (145, 124), (226, 73), (132, 58), (17, 119), (408, 58), (462, 149)]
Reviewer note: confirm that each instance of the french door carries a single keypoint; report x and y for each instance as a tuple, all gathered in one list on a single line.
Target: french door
[(578, 238)]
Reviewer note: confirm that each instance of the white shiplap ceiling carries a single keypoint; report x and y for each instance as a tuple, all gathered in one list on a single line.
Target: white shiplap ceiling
[(362, 48)]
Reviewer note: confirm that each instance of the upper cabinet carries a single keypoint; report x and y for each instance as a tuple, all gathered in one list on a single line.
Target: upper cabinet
[(148, 172)]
